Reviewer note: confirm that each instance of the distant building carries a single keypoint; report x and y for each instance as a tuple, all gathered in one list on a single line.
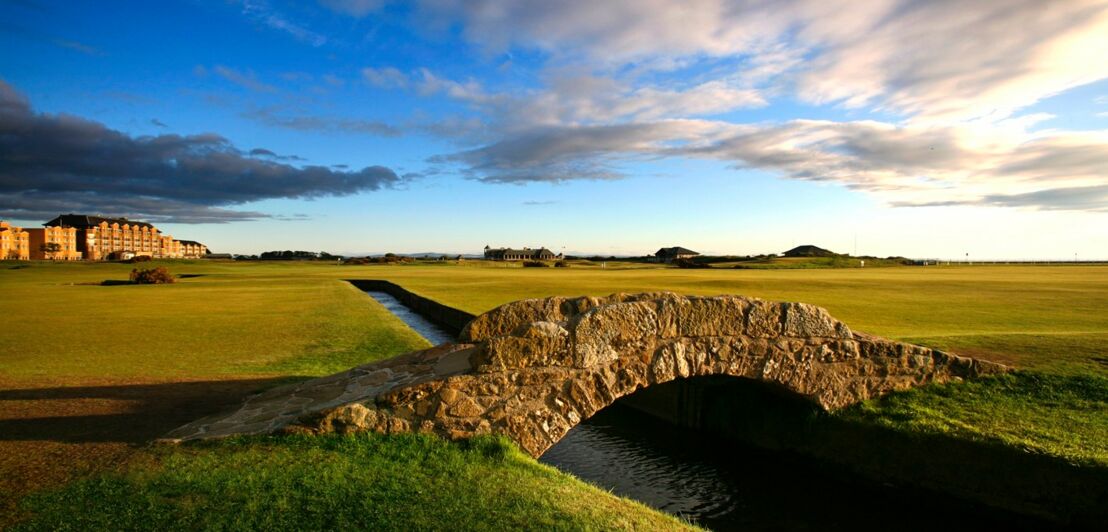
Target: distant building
[(101, 238), (14, 243), (674, 253), (519, 254), (54, 243), (191, 249)]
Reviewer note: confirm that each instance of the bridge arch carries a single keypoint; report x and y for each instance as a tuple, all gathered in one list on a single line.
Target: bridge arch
[(534, 369)]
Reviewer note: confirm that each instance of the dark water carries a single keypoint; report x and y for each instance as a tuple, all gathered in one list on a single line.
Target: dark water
[(725, 485), (421, 325)]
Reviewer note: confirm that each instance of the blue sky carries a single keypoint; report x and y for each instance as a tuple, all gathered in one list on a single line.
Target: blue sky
[(925, 129)]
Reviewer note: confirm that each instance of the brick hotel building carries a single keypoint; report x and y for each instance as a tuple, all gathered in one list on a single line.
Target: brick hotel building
[(13, 242), (79, 236)]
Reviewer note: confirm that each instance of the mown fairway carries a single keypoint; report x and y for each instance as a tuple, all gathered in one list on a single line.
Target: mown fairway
[(1047, 317), (89, 373), (282, 318)]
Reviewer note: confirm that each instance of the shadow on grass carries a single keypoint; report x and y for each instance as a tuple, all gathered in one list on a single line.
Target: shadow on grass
[(131, 414)]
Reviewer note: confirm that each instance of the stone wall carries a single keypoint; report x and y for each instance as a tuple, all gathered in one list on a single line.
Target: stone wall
[(533, 369)]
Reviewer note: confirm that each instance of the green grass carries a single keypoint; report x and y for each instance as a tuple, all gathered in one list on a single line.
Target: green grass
[(1055, 415), (1050, 318), (258, 320), (262, 317), (300, 319), (360, 482)]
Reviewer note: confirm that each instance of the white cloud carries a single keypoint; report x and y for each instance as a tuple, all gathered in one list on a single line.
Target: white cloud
[(943, 59), (261, 12), (903, 165), (385, 77), (243, 79), (354, 8), (623, 81)]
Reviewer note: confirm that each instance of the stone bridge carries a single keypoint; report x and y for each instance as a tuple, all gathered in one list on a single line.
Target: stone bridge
[(534, 369)]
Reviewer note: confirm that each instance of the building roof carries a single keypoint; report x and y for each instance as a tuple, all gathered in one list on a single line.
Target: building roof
[(674, 251), (84, 221)]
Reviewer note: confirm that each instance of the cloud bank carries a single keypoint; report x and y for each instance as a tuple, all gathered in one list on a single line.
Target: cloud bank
[(50, 164), (627, 81)]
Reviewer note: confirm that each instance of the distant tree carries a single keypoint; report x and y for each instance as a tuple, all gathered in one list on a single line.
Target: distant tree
[(49, 249)]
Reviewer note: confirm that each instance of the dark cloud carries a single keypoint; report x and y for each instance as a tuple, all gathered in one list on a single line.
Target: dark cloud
[(1092, 198), (63, 163), (262, 152), (157, 123), (555, 154), (269, 117)]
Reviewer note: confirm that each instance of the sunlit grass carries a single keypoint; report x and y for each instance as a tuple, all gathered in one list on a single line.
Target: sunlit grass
[(227, 320), (1056, 415), (359, 482)]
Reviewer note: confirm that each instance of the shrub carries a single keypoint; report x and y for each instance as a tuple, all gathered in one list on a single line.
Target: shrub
[(159, 275), (389, 258), (561, 264), (138, 258), (535, 264), (687, 263)]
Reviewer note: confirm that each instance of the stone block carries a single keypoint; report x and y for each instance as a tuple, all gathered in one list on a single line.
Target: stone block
[(763, 319), (712, 316), (808, 321)]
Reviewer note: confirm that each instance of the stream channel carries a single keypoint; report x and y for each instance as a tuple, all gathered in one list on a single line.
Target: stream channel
[(725, 485)]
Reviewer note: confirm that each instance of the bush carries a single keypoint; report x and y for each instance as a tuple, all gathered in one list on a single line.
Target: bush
[(535, 264), (561, 264), (688, 263), (159, 275), (138, 258), (389, 258)]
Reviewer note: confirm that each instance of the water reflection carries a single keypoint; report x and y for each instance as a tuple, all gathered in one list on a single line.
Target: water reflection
[(724, 485)]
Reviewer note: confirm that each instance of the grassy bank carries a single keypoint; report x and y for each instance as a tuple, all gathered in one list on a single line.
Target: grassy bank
[(82, 365), (361, 482)]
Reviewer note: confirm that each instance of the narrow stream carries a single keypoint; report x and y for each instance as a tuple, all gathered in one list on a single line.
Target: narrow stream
[(724, 485), (418, 323)]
